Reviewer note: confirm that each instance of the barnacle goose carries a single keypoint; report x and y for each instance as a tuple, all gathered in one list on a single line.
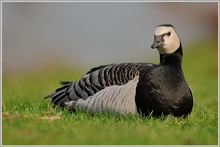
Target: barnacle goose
[(135, 88)]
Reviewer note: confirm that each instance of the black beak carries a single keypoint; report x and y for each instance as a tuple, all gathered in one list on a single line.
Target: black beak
[(158, 42)]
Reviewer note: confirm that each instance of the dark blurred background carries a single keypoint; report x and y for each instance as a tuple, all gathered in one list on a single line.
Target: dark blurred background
[(87, 34)]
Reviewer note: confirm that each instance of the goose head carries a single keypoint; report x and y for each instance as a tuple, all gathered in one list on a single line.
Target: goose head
[(166, 40)]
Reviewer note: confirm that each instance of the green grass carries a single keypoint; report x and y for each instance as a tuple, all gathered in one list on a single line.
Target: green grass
[(30, 120)]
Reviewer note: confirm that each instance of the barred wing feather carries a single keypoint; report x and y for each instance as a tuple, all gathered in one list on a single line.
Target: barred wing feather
[(97, 79)]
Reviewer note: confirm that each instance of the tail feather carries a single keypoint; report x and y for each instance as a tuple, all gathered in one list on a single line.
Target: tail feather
[(65, 86), (59, 97), (50, 95), (65, 82)]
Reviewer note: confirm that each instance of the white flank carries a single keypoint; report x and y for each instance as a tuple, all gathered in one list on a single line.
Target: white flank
[(113, 99)]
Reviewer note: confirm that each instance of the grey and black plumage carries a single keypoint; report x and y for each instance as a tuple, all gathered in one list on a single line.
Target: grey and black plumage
[(136, 88)]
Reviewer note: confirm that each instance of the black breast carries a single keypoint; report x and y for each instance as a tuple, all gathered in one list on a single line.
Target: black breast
[(163, 91)]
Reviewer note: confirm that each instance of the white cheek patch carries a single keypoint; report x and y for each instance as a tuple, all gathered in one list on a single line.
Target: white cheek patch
[(161, 30), (113, 99), (171, 43)]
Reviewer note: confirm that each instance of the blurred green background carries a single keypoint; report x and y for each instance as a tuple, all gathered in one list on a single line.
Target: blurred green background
[(87, 34)]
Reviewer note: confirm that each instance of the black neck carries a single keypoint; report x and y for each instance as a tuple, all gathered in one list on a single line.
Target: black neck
[(174, 59)]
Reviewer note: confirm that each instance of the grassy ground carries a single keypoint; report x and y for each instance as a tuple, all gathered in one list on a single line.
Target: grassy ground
[(29, 119)]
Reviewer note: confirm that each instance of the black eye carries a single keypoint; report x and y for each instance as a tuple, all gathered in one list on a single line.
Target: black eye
[(168, 34)]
